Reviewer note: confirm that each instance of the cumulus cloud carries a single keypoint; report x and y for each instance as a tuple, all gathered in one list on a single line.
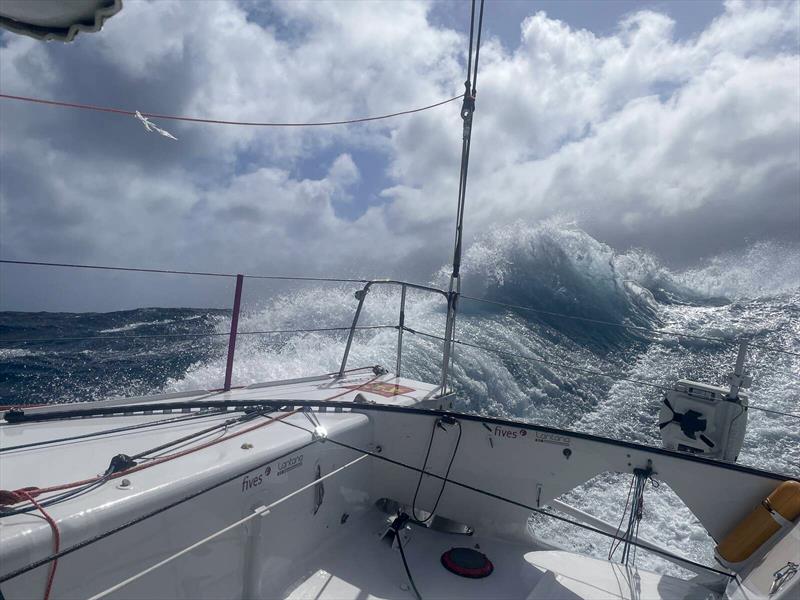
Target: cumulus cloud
[(688, 147)]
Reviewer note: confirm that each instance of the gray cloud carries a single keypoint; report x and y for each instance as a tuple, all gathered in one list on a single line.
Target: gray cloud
[(687, 147)]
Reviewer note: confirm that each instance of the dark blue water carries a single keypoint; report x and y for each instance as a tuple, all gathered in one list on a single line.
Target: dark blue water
[(123, 360)]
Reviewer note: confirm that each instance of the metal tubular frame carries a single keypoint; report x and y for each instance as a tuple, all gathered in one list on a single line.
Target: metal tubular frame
[(451, 298), (361, 296), (237, 305), (400, 328)]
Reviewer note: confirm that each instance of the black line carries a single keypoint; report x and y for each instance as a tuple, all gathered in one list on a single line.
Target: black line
[(117, 430), (188, 335), (178, 272), (513, 502), (359, 407)]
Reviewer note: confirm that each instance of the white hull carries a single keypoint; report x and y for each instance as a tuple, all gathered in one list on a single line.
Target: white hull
[(326, 541)]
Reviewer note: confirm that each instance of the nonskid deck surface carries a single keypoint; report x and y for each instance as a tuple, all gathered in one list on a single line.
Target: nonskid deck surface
[(359, 565), (329, 537), (262, 440), (248, 455), (380, 389), (358, 385)]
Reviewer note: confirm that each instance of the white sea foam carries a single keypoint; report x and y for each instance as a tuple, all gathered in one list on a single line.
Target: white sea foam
[(132, 326), (558, 268), (10, 353)]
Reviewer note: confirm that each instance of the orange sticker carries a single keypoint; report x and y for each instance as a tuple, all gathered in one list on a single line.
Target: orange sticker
[(387, 390)]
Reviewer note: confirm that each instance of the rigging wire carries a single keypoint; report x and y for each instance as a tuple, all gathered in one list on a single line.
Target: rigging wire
[(612, 376), (640, 328), (36, 263), (132, 113), (467, 111), (123, 464), (115, 430), (634, 543), (188, 335)]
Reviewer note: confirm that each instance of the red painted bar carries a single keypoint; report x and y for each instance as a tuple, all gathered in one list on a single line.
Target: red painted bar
[(237, 301)]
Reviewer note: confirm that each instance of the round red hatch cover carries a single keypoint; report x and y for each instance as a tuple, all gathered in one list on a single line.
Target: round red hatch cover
[(467, 562)]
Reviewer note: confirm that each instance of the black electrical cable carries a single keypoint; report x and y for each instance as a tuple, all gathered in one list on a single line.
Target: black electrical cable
[(438, 423), (424, 465), (616, 542), (402, 519), (449, 466), (494, 496), (101, 536)]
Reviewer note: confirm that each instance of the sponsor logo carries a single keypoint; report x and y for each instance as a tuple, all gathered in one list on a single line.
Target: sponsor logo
[(289, 465), (257, 478), (506, 432), (253, 480), (551, 438)]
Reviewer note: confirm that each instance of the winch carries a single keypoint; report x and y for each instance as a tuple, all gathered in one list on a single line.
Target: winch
[(705, 419)]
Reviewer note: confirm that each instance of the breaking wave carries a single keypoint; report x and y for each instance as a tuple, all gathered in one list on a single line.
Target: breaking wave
[(553, 267)]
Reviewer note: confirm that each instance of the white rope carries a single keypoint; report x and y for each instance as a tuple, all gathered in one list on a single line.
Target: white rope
[(150, 126), (260, 511)]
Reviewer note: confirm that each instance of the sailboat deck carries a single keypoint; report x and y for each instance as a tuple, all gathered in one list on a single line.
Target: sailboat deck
[(360, 385), (359, 565), (280, 504)]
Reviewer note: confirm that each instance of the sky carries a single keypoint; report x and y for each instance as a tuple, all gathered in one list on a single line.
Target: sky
[(672, 126)]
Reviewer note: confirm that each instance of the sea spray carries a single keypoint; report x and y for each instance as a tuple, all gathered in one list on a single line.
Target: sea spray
[(552, 267)]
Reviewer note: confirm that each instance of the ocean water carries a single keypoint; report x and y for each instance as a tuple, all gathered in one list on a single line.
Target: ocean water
[(550, 267)]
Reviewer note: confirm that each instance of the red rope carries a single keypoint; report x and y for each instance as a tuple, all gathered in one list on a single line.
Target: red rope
[(132, 113), (11, 497), (56, 540)]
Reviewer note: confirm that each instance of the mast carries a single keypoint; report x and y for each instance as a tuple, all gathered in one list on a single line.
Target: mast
[(467, 110)]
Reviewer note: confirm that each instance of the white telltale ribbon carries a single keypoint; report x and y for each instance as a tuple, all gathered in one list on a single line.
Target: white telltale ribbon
[(152, 127)]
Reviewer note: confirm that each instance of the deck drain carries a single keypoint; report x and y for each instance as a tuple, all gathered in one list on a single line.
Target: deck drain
[(467, 562)]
